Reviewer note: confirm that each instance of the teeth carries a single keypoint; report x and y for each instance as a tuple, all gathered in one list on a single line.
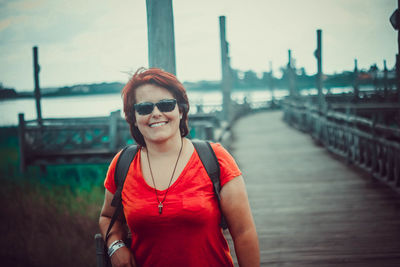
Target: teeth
[(157, 124)]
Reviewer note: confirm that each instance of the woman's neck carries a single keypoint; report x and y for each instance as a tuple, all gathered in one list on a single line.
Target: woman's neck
[(171, 146)]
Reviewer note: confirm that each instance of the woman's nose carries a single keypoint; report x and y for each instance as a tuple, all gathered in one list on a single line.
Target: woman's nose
[(156, 111)]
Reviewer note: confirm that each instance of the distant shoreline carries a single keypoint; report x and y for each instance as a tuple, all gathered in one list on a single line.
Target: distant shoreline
[(30, 95)]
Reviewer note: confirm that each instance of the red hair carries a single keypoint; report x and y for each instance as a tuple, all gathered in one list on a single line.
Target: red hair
[(159, 78)]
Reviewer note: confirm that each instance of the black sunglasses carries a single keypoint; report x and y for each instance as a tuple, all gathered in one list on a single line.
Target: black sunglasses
[(165, 105)]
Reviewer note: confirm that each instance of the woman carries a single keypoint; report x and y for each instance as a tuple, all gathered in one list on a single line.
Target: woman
[(168, 199)]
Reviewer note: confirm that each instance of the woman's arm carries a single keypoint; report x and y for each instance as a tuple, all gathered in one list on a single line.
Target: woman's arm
[(236, 209), (123, 256)]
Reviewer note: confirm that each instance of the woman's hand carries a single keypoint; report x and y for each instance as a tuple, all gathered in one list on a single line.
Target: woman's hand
[(123, 257)]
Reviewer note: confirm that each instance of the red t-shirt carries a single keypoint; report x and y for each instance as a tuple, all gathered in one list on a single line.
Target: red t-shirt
[(187, 233)]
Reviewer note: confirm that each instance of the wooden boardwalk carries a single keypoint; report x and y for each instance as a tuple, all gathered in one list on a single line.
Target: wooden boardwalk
[(310, 208)]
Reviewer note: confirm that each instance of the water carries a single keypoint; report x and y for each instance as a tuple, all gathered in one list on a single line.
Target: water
[(103, 105)]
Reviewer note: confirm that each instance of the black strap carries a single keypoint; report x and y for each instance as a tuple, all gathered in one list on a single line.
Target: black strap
[(121, 170), (210, 163), (113, 219)]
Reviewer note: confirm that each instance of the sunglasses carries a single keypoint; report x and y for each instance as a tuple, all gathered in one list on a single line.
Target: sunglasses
[(165, 105)]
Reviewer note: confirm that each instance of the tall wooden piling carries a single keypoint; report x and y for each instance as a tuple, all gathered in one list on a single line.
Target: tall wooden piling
[(291, 76), (226, 82), (160, 32), (271, 82), (355, 81), (318, 55), (398, 54), (385, 80), (36, 69)]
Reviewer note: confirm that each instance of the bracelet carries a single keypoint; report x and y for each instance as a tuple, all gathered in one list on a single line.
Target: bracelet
[(117, 244)]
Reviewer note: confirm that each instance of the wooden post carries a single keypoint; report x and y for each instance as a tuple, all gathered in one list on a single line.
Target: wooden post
[(398, 54), (36, 69), (271, 84), (209, 132), (348, 143), (318, 55), (21, 141), (160, 32), (374, 149), (291, 76), (385, 80), (226, 83), (355, 81), (113, 133)]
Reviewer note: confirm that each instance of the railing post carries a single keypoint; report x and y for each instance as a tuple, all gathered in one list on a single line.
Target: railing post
[(397, 169), (348, 143), (21, 140), (374, 148), (209, 132), (113, 137), (355, 81), (390, 164)]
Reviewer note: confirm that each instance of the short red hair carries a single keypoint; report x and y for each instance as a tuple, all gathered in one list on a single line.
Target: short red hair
[(162, 79)]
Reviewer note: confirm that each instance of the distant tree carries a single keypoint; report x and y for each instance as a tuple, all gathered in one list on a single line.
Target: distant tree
[(250, 79), (7, 92), (235, 78), (266, 76)]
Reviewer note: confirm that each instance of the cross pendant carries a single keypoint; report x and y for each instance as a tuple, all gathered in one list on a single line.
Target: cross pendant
[(160, 206)]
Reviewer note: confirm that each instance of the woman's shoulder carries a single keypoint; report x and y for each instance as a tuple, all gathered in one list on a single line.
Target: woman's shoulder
[(219, 150), (228, 166), (110, 180)]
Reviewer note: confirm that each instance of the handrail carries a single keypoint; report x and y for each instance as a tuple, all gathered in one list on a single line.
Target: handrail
[(361, 141), (97, 139)]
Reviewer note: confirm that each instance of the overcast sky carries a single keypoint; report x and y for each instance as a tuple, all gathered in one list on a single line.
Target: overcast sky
[(91, 41)]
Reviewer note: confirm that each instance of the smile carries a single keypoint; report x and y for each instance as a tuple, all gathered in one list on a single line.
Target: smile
[(158, 124)]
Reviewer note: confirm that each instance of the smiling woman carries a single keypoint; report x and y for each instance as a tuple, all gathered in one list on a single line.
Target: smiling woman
[(157, 124), (169, 202), (144, 87)]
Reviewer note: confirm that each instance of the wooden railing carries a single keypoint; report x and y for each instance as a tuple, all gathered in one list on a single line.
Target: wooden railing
[(97, 139), (361, 141), (88, 140)]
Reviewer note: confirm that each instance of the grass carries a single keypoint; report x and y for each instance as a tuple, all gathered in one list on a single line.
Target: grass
[(47, 219)]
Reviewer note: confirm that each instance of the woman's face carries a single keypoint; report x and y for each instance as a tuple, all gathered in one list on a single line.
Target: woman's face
[(157, 126)]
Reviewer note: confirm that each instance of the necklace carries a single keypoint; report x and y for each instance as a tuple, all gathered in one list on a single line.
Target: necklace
[(160, 203)]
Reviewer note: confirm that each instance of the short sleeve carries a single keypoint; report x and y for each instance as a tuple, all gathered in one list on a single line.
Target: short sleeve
[(228, 167), (109, 182)]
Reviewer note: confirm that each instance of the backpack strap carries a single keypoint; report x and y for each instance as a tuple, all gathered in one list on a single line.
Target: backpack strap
[(121, 170), (210, 163)]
